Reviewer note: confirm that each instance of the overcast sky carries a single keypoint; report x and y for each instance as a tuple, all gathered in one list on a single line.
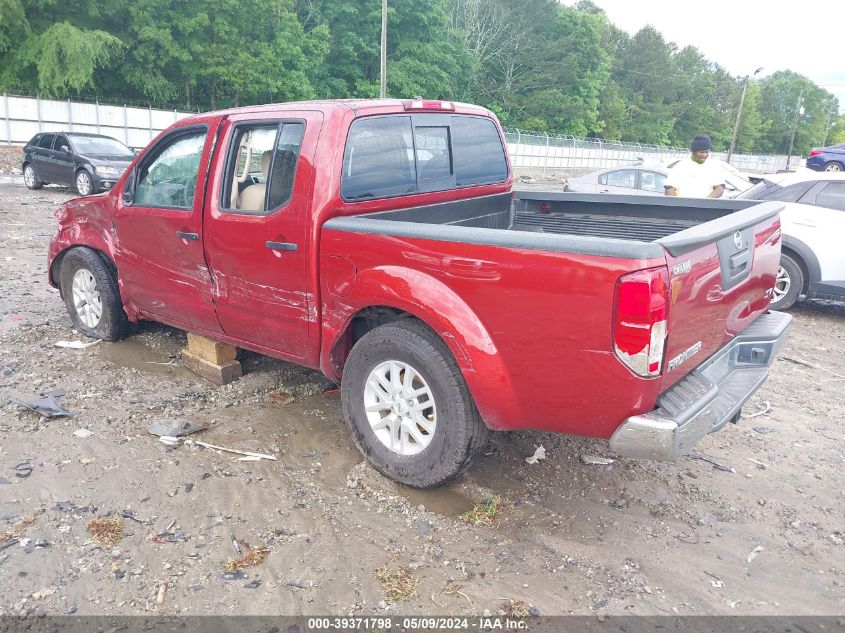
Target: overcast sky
[(742, 35)]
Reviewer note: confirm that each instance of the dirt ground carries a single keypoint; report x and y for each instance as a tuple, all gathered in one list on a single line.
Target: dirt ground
[(632, 537)]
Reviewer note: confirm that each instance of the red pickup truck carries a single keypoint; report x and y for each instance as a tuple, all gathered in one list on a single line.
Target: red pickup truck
[(379, 241)]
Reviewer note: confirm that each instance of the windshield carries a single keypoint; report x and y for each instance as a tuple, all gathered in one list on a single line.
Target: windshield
[(101, 145)]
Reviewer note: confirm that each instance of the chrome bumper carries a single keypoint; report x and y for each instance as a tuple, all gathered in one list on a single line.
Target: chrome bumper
[(708, 397)]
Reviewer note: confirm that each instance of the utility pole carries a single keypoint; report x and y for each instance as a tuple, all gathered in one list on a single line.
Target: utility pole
[(383, 89), (799, 110), (827, 122), (739, 114)]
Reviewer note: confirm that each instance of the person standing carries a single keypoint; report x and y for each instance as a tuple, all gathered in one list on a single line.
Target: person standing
[(698, 176)]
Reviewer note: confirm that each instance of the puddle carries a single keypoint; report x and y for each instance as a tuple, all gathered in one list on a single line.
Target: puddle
[(446, 500), (134, 353)]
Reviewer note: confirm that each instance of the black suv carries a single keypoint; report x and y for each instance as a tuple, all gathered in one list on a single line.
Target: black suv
[(88, 162)]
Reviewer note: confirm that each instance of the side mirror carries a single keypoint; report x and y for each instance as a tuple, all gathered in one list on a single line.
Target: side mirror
[(65, 149), (128, 194)]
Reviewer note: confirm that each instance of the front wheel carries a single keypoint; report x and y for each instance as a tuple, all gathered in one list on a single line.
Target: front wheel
[(90, 291), (788, 285), (408, 407), (30, 178), (84, 185)]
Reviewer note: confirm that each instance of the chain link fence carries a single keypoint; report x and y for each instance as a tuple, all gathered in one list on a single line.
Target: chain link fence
[(540, 152)]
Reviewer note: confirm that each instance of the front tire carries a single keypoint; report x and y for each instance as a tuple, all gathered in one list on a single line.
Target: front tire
[(788, 285), (30, 178), (91, 295), (408, 407), (83, 182)]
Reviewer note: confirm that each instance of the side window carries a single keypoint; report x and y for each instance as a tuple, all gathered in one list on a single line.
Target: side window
[(652, 181), (262, 166), (46, 141), (378, 161), (832, 196), (478, 152), (62, 141), (622, 178), (169, 179)]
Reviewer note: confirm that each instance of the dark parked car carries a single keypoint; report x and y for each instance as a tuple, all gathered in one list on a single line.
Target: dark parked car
[(827, 158), (88, 162)]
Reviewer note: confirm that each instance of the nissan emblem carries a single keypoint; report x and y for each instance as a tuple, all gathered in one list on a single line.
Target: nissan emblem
[(738, 240)]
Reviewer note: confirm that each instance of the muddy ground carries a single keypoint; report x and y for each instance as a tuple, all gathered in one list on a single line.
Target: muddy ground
[(633, 537)]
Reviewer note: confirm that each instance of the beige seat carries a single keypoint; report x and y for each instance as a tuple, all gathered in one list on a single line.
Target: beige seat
[(252, 198)]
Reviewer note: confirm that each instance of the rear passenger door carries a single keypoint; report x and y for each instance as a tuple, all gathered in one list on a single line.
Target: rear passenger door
[(819, 221), (42, 158), (258, 229)]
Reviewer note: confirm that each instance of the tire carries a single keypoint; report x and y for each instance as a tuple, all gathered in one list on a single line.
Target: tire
[(84, 184), (789, 283), (89, 288), (30, 178), (833, 166), (455, 435)]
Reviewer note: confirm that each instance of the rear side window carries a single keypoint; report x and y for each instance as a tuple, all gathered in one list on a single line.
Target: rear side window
[(832, 196), (396, 155)]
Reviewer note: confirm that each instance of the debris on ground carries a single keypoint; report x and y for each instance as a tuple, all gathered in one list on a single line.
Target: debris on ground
[(17, 530), (753, 554), (539, 454), (760, 465), (717, 465), (398, 583), (715, 580), (106, 530), (485, 512), (23, 469), (280, 396), (597, 460), (76, 344), (174, 427), (82, 433), (251, 557), (162, 590), (253, 584), (767, 406), (764, 429), (236, 451), (46, 405), (514, 609), (169, 440)]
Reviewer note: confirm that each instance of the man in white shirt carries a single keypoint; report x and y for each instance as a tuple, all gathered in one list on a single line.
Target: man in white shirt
[(696, 177)]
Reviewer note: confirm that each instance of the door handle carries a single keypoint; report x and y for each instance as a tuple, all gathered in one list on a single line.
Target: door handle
[(187, 236), (280, 246)]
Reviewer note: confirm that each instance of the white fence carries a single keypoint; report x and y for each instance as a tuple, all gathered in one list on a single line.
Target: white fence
[(23, 117), (544, 152)]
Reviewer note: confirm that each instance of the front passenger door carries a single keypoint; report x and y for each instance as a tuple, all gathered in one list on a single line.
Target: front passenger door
[(158, 230), (62, 161)]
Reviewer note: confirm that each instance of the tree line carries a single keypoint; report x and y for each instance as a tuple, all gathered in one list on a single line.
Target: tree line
[(538, 64)]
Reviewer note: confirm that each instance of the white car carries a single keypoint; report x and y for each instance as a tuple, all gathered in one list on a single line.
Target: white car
[(646, 179), (813, 225)]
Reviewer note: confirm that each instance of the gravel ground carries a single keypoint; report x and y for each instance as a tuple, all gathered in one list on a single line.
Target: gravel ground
[(632, 537)]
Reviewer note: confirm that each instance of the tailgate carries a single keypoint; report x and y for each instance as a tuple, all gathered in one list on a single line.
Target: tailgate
[(721, 275)]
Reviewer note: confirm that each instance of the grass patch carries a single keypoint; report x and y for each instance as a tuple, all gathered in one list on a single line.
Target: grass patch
[(17, 529), (398, 583), (106, 530), (252, 557), (485, 512), (514, 609)]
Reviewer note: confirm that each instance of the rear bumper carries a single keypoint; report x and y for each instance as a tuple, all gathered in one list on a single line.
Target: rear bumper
[(708, 397)]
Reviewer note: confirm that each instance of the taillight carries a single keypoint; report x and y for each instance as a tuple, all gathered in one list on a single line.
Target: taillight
[(640, 327), (815, 152)]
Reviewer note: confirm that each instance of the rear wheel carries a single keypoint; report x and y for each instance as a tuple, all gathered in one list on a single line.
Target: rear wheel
[(84, 185), (91, 295), (30, 178), (833, 166), (408, 407), (788, 285)]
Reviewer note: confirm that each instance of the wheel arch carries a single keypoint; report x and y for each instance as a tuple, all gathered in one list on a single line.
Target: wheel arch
[(805, 258), (437, 306)]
